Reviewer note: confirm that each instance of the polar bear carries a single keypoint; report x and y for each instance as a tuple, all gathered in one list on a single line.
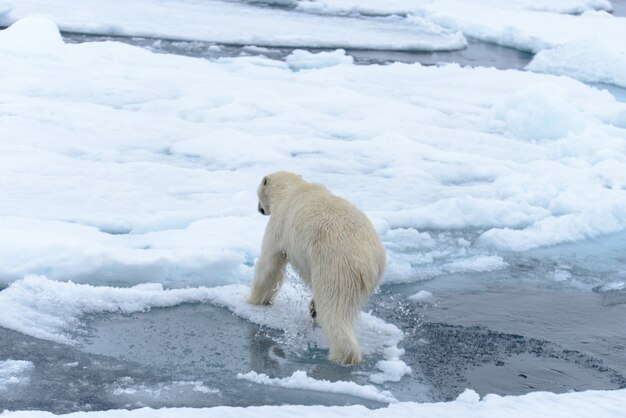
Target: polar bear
[(332, 246)]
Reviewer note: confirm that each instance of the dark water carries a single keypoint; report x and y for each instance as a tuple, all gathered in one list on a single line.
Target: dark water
[(476, 54), (514, 339), (184, 356), (553, 320)]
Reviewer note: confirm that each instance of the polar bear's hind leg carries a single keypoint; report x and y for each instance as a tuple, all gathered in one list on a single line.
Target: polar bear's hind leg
[(337, 315)]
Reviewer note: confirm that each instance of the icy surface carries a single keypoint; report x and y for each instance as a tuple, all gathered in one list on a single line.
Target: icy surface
[(167, 193), (49, 309), (236, 23), (122, 167), (393, 369), (423, 296), (14, 372), (304, 60), (580, 60), (566, 44), (529, 30), (585, 404), (582, 32), (299, 380), (571, 37), (409, 6)]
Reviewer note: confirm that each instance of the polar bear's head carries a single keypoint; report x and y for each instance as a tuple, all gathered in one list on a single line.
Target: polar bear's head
[(273, 188)]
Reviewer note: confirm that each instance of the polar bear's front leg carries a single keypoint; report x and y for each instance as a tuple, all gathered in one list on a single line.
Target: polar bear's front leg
[(268, 276)]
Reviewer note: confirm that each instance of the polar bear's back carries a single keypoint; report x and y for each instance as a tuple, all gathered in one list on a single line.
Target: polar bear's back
[(331, 235)]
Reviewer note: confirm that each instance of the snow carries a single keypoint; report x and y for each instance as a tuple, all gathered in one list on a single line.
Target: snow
[(300, 380), (166, 193), (570, 36), (376, 7), (235, 23), (14, 372), (35, 35), (392, 369), (580, 60), (121, 167), (589, 404), (302, 60), (527, 30), (423, 297), (565, 44), (5, 7), (48, 309), (538, 114)]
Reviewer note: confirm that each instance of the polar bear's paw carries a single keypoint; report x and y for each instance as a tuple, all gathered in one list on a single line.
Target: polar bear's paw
[(347, 357)]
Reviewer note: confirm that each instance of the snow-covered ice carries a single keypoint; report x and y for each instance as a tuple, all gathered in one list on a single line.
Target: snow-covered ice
[(571, 36), (580, 60), (590, 404), (423, 296), (392, 369), (376, 7), (48, 309), (299, 380), (167, 192), (133, 174), (525, 29), (304, 60), (238, 23)]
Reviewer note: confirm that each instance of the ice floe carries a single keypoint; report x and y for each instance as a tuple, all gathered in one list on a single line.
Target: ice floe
[(236, 23), (300, 380), (588, 404), (166, 193)]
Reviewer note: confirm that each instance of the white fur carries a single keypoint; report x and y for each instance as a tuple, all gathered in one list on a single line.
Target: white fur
[(330, 243)]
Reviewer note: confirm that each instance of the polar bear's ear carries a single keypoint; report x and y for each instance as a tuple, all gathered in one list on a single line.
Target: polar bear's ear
[(265, 181)]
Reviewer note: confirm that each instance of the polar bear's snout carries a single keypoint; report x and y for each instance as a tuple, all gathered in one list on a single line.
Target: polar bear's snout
[(261, 210)]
